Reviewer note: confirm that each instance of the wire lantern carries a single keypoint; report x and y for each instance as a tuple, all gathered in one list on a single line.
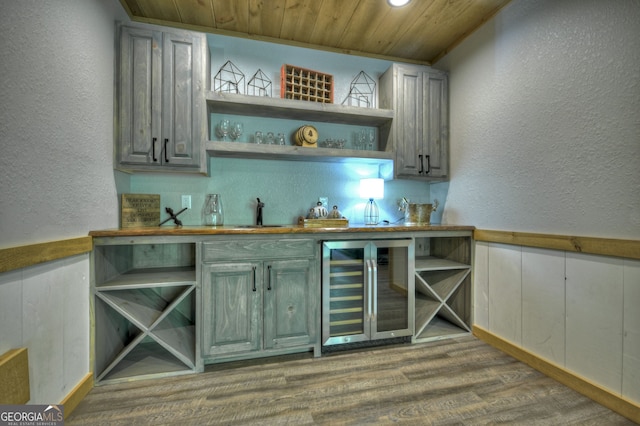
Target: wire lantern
[(362, 92), (229, 79), (259, 85)]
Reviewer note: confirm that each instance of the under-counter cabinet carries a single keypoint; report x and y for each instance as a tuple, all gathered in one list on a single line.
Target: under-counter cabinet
[(161, 106), (442, 288), (420, 130), (144, 306), (260, 297)]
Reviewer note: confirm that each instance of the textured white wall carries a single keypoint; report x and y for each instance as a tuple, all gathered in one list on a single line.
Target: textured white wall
[(56, 119), (56, 175), (545, 120)]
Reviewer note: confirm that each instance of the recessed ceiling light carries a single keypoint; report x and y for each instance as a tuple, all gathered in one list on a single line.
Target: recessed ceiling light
[(398, 3)]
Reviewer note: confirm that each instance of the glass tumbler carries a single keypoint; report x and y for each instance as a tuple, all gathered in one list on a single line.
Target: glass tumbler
[(212, 211)]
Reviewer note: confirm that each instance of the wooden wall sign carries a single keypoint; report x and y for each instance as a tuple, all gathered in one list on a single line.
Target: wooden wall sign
[(139, 210)]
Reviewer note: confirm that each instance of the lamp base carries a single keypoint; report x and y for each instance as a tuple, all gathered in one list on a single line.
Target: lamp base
[(371, 213)]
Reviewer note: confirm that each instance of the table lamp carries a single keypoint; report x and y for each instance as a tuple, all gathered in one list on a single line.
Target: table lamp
[(371, 188)]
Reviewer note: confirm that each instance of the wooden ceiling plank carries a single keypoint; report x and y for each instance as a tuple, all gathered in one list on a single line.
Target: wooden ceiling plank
[(196, 12), (163, 10), (265, 17), (422, 33), (308, 20), (231, 15), (364, 21), (397, 23), (333, 19), (440, 25), (293, 12)]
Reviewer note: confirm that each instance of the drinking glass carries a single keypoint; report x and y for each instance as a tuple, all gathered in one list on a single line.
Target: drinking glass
[(236, 131), (270, 139), (258, 137), (371, 134), (223, 127), (280, 139), (360, 139)]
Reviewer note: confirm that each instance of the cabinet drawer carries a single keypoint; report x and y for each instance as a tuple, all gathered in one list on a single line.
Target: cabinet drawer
[(257, 249)]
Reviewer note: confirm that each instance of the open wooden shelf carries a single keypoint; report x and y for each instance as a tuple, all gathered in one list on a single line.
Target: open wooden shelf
[(144, 323), (260, 106), (312, 112), (297, 153), (442, 289)]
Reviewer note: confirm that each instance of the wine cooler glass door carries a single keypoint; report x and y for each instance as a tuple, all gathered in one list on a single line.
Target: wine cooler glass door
[(390, 295), (345, 292)]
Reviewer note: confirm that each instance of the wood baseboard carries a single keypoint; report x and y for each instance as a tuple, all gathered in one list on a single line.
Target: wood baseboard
[(581, 385), (78, 393)]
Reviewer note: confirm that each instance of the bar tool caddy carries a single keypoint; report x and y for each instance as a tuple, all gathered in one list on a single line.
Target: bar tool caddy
[(320, 217)]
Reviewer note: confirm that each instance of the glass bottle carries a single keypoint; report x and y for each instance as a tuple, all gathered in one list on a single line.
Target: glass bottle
[(212, 211)]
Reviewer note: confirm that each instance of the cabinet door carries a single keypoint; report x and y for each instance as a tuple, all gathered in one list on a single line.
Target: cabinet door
[(183, 101), (409, 121), (290, 314), (435, 145), (420, 130), (232, 307), (140, 96)]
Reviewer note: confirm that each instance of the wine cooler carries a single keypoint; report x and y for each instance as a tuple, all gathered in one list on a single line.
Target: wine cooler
[(367, 290)]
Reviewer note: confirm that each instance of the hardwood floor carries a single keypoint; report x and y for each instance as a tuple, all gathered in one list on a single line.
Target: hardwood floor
[(458, 381)]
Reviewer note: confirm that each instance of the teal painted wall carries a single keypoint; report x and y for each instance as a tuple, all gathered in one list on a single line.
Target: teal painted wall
[(288, 188)]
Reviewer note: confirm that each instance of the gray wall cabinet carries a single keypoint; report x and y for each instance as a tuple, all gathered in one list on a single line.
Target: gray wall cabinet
[(161, 107), (419, 133), (259, 304)]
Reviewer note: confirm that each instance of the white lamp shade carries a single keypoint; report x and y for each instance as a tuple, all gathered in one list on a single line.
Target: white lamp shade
[(372, 188)]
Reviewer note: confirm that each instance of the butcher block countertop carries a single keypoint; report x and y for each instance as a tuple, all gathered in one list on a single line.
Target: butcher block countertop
[(282, 229)]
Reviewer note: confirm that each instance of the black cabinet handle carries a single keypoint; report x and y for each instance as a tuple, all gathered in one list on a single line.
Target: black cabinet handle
[(254, 279), (428, 164), (153, 149), (269, 277), (421, 164), (166, 141)]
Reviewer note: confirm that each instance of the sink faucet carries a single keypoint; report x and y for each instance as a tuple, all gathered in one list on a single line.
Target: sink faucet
[(259, 207)]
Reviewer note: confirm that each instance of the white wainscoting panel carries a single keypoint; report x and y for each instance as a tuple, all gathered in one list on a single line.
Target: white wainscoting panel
[(594, 318), (48, 306), (505, 291), (481, 285), (543, 322), (631, 341)]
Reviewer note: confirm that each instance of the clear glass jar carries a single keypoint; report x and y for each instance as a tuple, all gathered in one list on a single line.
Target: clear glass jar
[(212, 211)]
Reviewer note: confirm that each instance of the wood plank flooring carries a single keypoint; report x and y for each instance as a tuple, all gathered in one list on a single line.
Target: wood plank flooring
[(458, 381)]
